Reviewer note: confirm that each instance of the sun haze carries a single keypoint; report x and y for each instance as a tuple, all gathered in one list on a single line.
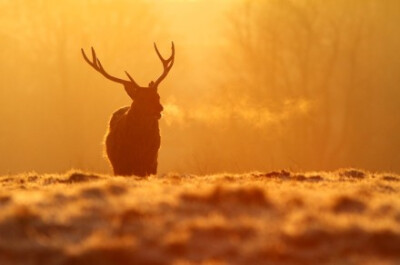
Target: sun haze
[(256, 85), (258, 132)]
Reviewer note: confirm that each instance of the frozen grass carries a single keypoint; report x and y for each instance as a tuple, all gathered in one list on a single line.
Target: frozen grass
[(343, 217)]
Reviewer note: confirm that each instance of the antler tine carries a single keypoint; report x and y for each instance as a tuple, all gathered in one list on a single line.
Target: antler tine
[(96, 64), (173, 50), (85, 57), (130, 78), (99, 65), (160, 56), (94, 57), (158, 53), (167, 63)]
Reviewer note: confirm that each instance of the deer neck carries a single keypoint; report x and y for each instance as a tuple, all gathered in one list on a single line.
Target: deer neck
[(139, 115)]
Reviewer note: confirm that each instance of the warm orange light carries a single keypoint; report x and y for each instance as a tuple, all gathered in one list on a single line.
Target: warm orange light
[(256, 85)]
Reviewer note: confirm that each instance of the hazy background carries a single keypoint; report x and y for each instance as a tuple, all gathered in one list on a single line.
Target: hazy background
[(256, 85)]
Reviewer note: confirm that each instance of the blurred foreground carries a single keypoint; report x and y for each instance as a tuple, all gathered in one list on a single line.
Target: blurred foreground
[(342, 217)]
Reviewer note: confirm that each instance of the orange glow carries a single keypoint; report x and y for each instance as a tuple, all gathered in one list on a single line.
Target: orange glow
[(256, 85)]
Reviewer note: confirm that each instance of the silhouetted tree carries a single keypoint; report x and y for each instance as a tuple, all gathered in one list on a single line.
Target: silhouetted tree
[(321, 53)]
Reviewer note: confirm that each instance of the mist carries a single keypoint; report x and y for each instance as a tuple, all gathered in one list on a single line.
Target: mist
[(256, 85)]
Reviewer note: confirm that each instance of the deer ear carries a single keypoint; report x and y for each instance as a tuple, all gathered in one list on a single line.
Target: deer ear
[(152, 86), (131, 90)]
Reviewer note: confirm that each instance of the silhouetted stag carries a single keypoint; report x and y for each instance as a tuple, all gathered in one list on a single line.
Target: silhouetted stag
[(133, 138)]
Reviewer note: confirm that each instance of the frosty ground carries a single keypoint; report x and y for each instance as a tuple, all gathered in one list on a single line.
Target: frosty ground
[(344, 217)]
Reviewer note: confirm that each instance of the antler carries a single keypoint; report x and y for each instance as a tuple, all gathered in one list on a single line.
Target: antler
[(95, 63), (167, 63)]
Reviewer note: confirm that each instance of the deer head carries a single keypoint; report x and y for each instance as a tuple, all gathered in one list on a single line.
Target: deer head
[(145, 99)]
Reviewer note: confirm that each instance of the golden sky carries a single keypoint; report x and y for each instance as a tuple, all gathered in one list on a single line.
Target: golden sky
[(256, 85)]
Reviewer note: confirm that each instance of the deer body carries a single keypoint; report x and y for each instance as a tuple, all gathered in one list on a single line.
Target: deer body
[(137, 153), (133, 138)]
